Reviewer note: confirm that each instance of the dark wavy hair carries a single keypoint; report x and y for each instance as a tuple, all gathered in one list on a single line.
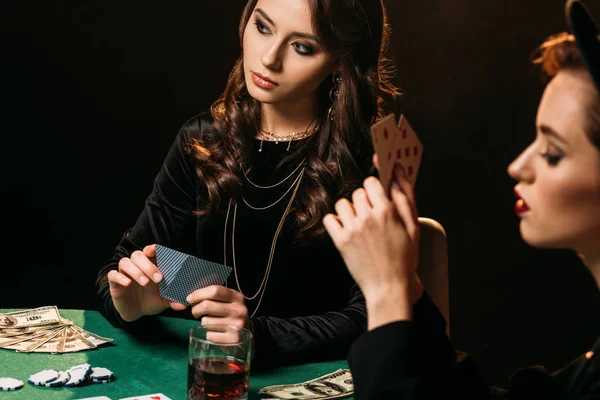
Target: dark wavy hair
[(338, 156), (560, 52)]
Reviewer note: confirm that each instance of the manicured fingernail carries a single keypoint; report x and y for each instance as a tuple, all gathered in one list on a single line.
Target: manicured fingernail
[(157, 277), (125, 281), (189, 299), (144, 280)]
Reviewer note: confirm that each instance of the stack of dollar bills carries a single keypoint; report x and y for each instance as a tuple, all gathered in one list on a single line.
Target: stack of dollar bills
[(336, 385), (43, 330)]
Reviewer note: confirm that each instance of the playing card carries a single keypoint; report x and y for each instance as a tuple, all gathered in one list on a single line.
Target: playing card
[(96, 398), (407, 150), (383, 133), (155, 396), (184, 273)]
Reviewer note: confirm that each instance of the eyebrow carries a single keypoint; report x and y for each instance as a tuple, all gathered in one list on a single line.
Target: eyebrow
[(299, 34), (546, 130)]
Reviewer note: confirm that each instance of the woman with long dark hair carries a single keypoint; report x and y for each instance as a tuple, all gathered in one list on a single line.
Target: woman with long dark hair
[(406, 353), (249, 185)]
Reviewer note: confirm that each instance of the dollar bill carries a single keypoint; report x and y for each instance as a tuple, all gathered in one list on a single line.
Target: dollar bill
[(336, 385), (38, 316), (44, 330)]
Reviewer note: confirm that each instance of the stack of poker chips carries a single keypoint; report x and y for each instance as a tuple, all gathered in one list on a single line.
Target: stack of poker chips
[(78, 375)]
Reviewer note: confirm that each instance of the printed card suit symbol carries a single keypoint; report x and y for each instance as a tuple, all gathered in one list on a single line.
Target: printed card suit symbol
[(410, 170), (389, 155), (398, 154), (155, 397), (407, 152), (403, 133), (385, 134), (416, 151)]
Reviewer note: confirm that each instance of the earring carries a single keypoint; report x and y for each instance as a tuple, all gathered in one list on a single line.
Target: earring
[(333, 95)]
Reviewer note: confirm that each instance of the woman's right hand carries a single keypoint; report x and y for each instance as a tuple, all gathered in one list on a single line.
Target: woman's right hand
[(134, 287)]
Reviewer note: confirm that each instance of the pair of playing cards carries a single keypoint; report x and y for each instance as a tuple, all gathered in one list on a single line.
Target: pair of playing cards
[(184, 274), (396, 144)]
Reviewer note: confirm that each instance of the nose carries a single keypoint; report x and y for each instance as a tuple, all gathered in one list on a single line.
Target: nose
[(272, 59), (521, 169)]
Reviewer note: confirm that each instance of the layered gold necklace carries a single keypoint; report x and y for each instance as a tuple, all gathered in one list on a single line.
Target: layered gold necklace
[(271, 137), (294, 186)]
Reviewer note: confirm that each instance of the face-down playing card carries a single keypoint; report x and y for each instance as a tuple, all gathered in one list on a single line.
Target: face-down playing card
[(184, 273)]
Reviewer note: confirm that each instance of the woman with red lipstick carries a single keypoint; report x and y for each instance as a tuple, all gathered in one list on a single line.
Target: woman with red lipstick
[(249, 184), (406, 353)]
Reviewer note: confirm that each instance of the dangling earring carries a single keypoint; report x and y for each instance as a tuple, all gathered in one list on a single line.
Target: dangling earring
[(333, 95)]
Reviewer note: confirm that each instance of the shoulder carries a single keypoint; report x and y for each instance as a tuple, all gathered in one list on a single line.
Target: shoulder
[(198, 127)]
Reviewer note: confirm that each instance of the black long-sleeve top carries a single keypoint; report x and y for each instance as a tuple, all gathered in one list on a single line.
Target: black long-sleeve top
[(311, 309), (416, 360)]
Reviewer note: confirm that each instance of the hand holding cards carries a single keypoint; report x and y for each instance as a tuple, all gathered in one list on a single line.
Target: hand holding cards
[(396, 144), (183, 274)]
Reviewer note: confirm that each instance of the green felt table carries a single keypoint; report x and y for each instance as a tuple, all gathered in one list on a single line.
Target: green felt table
[(140, 366)]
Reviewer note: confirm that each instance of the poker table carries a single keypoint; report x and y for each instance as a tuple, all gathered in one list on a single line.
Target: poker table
[(141, 366)]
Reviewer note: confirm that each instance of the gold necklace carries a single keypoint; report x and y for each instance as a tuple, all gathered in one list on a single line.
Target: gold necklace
[(263, 286), (271, 137), (278, 200), (275, 185)]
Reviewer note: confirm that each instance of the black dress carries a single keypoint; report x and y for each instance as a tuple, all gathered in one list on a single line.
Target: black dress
[(311, 309), (416, 360)]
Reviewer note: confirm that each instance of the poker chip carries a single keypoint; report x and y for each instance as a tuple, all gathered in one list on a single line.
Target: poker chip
[(43, 377), (10, 384), (101, 373), (63, 378), (100, 381), (78, 374)]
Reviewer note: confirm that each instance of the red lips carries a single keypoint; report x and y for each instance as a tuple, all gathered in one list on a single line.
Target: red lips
[(520, 206)]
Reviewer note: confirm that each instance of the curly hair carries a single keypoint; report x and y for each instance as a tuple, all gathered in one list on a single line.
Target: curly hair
[(338, 157)]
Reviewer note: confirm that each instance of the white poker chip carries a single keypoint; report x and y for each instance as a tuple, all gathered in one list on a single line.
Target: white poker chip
[(63, 378), (78, 374), (43, 377), (101, 373), (102, 380), (9, 384)]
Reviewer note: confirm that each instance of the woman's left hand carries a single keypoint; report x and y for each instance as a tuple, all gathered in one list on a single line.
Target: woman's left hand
[(379, 241), (219, 305)]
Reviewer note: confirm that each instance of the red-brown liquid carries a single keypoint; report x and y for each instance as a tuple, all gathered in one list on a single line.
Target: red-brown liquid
[(217, 378)]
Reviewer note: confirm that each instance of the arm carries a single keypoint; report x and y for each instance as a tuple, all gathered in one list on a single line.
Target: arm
[(309, 339), (166, 218)]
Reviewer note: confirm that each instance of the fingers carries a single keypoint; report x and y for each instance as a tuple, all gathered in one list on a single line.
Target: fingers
[(345, 211), (361, 203), (130, 270), (406, 187), (333, 226), (404, 210), (149, 269), (177, 306), (116, 278), (375, 192), (220, 309), (217, 293), (150, 251), (376, 161), (117, 283)]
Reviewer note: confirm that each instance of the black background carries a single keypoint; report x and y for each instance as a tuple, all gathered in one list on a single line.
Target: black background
[(94, 93)]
